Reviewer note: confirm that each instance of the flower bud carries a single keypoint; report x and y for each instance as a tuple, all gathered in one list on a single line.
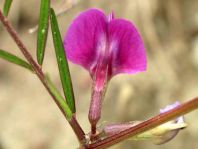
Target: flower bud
[(157, 135)]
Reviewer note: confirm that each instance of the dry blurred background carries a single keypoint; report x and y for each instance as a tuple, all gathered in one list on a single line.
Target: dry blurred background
[(29, 119)]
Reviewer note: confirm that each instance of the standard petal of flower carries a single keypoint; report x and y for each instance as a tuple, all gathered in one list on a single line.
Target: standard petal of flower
[(83, 35), (126, 47)]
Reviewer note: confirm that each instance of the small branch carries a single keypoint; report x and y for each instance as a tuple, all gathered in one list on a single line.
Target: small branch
[(37, 69), (146, 125), (77, 129)]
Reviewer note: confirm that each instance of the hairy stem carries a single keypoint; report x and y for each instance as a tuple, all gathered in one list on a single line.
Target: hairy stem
[(38, 71), (146, 125)]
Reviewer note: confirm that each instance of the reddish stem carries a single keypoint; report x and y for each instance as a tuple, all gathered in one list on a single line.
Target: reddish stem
[(77, 129), (146, 125), (37, 69)]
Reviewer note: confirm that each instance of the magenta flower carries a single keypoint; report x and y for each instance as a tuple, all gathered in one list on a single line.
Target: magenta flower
[(100, 43), (105, 47)]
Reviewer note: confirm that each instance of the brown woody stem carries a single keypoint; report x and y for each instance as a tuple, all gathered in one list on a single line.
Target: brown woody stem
[(37, 69)]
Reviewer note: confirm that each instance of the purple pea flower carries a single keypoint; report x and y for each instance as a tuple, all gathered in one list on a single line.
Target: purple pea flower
[(105, 46)]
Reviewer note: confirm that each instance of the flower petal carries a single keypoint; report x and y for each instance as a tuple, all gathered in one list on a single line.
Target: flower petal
[(82, 37), (126, 45), (170, 107)]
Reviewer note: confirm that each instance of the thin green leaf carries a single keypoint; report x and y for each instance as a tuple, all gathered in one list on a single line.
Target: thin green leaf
[(6, 7), (62, 63), (14, 59), (59, 99), (42, 29)]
